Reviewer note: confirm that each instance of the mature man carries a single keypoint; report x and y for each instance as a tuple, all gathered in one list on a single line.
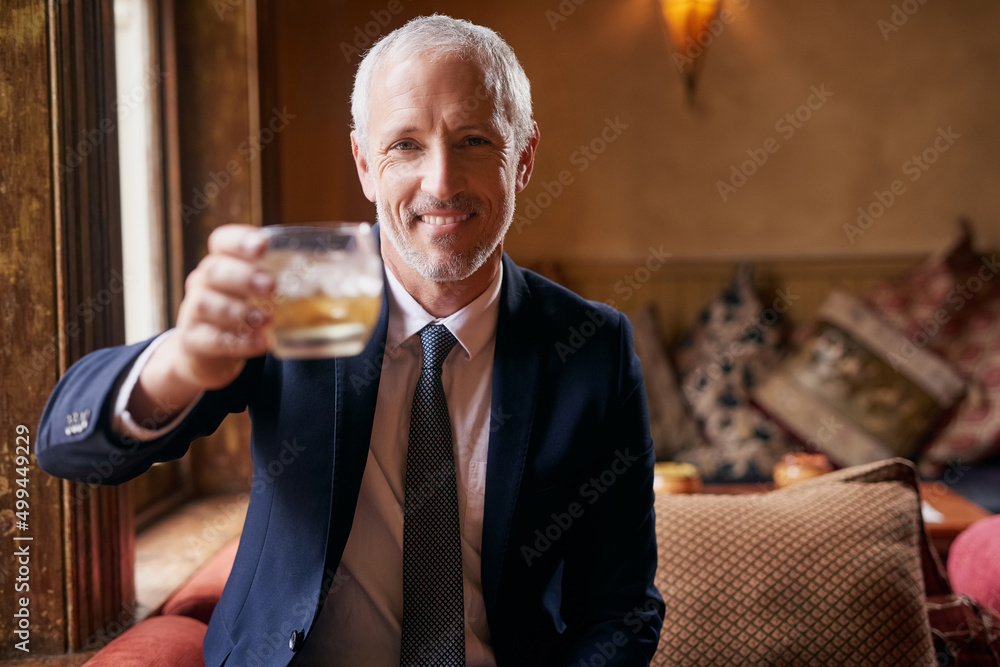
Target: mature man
[(542, 546)]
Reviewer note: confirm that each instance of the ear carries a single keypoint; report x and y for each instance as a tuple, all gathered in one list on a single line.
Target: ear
[(364, 171), (526, 163)]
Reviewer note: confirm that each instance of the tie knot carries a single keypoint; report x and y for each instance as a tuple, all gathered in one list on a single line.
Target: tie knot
[(436, 342)]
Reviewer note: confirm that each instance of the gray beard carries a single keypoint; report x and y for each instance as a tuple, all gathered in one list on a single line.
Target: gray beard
[(457, 265)]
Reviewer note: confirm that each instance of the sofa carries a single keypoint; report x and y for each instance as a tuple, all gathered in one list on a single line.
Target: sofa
[(721, 345), (173, 635), (859, 360), (836, 570)]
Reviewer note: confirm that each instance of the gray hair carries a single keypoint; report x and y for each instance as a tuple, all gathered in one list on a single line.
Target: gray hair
[(440, 36)]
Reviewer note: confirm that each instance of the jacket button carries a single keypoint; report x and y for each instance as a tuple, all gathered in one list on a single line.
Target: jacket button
[(295, 640)]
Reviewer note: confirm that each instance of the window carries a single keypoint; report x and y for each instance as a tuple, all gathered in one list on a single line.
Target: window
[(145, 249)]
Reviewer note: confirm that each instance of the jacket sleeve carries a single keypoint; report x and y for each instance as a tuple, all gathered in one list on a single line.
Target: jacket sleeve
[(75, 437), (609, 585)]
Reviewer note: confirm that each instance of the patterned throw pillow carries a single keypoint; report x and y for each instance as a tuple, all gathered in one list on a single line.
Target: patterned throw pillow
[(950, 305), (732, 347), (826, 572), (674, 431), (853, 390)]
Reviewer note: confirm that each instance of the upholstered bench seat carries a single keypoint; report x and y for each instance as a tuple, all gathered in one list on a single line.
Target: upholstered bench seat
[(781, 599), (198, 596), (159, 641), (174, 637)]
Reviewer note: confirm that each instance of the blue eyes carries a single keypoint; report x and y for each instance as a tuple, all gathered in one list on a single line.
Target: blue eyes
[(408, 145)]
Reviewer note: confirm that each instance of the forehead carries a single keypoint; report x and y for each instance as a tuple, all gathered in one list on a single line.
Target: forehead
[(420, 90)]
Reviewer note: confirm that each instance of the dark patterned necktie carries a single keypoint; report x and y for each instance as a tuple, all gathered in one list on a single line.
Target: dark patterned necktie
[(433, 602)]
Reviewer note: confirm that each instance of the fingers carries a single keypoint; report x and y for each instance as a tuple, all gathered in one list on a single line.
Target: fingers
[(230, 275), (220, 319), (215, 334), (240, 241), (207, 342), (228, 313), (207, 357), (221, 294)]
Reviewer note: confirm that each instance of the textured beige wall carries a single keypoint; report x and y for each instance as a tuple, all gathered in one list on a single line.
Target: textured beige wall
[(606, 69)]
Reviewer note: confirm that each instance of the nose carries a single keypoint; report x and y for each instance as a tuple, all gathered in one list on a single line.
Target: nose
[(443, 174)]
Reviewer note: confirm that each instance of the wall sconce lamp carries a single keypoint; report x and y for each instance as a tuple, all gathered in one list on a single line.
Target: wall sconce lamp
[(688, 23)]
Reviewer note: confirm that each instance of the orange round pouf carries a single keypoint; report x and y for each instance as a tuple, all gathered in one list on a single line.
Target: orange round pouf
[(974, 563)]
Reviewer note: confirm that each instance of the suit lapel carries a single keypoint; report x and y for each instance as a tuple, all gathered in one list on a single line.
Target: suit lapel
[(357, 380), (515, 373)]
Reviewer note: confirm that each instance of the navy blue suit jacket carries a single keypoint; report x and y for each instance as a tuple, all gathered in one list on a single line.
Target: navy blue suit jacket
[(568, 550)]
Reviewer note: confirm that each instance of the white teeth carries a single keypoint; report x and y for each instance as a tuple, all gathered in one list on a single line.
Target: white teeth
[(440, 220)]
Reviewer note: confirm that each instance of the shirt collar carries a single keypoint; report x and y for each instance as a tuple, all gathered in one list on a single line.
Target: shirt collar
[(473, 326)]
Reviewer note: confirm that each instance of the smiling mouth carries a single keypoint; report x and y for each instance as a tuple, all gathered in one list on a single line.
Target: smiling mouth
[(442, 220)]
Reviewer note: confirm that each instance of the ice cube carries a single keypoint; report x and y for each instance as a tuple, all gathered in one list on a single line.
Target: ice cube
[(369, 285), (298, 279)]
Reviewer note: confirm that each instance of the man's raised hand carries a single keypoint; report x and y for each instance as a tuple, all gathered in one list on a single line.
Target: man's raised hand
[(219, 326)]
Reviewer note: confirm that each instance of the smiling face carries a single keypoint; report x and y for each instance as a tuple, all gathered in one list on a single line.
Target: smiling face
[(441, 171)]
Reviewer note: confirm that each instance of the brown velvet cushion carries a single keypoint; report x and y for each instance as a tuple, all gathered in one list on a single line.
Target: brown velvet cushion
[(160, 641), (827, 572), (199, 595)]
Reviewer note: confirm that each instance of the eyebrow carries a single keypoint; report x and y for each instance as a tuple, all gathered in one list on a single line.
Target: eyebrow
[(408, 129), (395, 133)]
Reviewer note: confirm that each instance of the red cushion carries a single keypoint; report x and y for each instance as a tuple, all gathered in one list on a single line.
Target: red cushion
[(974, 563), (950, 305), (198, 597), (159, 641)]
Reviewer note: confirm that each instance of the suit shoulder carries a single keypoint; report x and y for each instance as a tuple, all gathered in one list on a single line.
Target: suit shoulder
[(560, 307)]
